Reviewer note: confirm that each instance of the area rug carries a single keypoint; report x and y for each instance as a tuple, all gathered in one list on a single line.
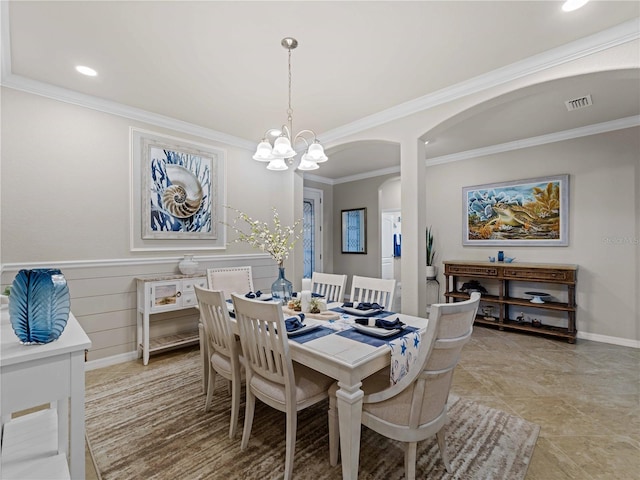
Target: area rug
[(152, 425)]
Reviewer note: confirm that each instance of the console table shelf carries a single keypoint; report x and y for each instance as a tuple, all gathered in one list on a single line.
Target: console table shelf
[(505, 275)]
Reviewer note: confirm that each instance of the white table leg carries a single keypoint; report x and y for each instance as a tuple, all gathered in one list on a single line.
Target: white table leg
[(145, 339), (350, 415)]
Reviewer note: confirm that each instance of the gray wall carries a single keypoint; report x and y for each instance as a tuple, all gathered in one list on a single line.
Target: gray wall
[(358, 194)]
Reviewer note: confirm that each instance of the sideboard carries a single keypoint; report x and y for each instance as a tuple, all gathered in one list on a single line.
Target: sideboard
[(44, 443), (165, 293), (504, 277)]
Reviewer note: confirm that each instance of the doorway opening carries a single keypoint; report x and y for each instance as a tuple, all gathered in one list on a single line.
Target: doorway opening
[(312, 231)]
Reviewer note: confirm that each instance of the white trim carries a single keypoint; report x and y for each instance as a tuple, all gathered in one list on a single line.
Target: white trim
[(353, 178), (612, 37), (609, 38), (109, 361), (119, 262), (623, 342), (604, 127)]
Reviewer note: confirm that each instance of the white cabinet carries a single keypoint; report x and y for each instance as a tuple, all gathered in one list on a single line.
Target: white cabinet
[(46, 443), (158, 294)]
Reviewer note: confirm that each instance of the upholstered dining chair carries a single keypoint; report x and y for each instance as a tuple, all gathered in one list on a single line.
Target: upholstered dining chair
[(229, 280), (271, 375), (331, 285), (373, 290), (415, 408), (223, 349)]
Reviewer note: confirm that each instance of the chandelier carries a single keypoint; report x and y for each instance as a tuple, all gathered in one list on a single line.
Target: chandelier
[(282, 153)]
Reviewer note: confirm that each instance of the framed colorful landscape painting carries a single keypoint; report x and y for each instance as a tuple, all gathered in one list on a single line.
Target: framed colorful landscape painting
[(527, 212)]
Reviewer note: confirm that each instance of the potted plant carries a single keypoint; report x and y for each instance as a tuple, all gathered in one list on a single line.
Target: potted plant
[(431, 255)]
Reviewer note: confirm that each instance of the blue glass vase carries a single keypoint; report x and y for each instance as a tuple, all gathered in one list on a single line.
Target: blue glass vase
[(39, 305), (282, 289)]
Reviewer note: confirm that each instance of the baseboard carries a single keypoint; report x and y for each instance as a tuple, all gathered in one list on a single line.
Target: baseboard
[(623, 342), (112, 360)]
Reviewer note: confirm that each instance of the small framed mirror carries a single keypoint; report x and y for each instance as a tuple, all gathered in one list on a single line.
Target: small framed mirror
[(354, 230)]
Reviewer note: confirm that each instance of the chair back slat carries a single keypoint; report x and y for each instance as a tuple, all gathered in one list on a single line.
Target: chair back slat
[(230, 280), (378, 290), (215, 319), (264, 347), (330, 285)]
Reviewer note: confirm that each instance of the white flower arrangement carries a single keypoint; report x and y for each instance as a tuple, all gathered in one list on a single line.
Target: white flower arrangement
[(277, 241)]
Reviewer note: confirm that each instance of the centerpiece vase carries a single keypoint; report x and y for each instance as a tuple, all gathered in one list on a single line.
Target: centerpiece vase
[(282, 289)]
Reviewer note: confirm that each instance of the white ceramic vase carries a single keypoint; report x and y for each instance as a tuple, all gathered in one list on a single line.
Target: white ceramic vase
[(431, 271), (188, 266)]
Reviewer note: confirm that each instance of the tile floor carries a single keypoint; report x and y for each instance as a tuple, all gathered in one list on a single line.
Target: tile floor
[(585, 397)]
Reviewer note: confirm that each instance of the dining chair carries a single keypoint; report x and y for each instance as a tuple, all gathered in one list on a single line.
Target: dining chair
[(331, 285), (271, 375), (373, 290), (229, 280), (415, 408), (223, 349)]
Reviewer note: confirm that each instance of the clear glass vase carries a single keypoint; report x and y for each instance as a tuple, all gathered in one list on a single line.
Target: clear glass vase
[(281, 289)]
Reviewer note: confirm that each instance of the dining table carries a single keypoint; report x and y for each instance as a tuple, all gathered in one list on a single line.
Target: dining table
[(335, 348)]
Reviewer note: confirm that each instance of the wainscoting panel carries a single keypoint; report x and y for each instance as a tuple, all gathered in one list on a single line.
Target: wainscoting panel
[(103, 296)]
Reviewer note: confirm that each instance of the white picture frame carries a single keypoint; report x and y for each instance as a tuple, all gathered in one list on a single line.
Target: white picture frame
[(177, 193)]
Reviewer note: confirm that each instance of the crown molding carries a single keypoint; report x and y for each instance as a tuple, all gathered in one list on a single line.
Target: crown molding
[(612, 37), (352, 178), (35, 87), (595, 129)]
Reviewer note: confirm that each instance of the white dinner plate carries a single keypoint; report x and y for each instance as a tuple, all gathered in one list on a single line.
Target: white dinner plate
[(376, 331), (309, 324), (362, 313)]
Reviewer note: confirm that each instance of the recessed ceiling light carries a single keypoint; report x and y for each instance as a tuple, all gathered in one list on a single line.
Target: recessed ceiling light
[(90, 72), (426, 142), (571, 5)]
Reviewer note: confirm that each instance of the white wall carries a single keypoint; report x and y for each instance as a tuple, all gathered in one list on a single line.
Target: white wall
[(603, 226), (65, 203), (65, 190)]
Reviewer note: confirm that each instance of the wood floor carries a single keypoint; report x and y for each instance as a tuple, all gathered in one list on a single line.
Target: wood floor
[(585, 397)]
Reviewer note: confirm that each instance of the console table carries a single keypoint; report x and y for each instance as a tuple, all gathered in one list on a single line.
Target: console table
[(36, 445), (504, 275), (165, 293)]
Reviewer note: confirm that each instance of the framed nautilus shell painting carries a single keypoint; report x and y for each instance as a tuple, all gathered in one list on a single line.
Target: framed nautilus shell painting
[(177, 193)]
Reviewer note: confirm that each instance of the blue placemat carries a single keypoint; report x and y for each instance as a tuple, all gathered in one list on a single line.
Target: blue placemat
[(312, 335), (374, 341), (383, 313)]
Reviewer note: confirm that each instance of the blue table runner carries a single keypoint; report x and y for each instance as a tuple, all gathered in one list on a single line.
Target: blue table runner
[(374, 341)]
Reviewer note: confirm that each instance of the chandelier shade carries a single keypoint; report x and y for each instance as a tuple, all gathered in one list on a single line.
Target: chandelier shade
[(277, 164), (263, 152), (282, 153)]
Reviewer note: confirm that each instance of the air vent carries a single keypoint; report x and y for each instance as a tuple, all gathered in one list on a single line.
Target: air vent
[(578, 103)]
